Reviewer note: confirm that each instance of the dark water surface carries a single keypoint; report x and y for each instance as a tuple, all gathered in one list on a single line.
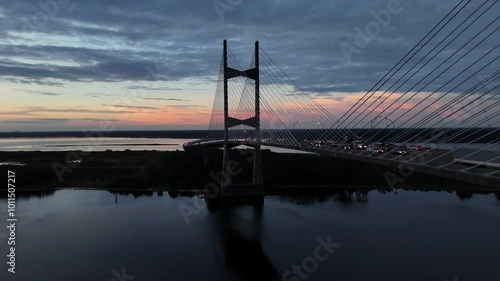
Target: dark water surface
[(92, 235)]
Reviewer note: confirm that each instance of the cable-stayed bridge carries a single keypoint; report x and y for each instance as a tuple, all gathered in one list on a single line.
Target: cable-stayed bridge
[(436, 111)]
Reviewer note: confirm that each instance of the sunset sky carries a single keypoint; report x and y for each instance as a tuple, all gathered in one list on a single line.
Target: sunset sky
[(67, 64)]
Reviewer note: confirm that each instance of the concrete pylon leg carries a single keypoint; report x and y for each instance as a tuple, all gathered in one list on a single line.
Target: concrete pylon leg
[(227, 186), (206, 156), (257, 167), (226, 169)]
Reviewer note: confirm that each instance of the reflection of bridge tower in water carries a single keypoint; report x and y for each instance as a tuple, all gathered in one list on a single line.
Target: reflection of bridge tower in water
[(228, 166)]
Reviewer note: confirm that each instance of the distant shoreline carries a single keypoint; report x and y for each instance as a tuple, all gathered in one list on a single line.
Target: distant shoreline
[(474, 134)]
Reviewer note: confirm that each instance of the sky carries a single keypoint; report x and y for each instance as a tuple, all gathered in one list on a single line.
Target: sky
[(70, 65)]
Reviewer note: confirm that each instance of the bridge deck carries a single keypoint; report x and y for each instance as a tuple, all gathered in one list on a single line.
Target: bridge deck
[(435, 162)]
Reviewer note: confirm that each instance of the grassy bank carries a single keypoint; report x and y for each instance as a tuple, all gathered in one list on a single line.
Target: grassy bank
[(179, 170)]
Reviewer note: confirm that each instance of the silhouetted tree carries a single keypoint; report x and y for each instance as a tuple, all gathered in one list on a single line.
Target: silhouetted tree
[(464, 194)]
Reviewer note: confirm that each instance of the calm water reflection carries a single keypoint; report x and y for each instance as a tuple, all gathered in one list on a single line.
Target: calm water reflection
[(85, 235)]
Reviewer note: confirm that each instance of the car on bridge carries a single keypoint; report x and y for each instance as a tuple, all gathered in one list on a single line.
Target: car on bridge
[(375, 149), (345, 146), (402, 149), (358, 144), (317, 143), (422, 148)]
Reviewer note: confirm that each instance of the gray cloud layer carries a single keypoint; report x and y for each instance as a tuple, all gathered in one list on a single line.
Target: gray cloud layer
[(172, 40)]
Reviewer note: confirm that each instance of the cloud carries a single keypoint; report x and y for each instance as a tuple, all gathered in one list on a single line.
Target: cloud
[(32, 81), (47, 121), (40, 93), (179, 43), (99, 119), (165, 99), (39, 121), (186, 106), (41, 109), (20, 112), (106, 41), (131, 106), (153, 108), (99, 95), (146, 88), (337, 98)]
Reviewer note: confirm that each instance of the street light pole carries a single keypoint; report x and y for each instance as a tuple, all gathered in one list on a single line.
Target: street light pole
[(371, 131), (371, 128), (322, 126)]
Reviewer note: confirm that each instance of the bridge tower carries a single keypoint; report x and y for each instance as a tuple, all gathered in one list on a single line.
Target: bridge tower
[(227, 186)]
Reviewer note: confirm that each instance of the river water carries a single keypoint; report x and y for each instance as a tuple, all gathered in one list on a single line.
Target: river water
[(91, 144), (83, 235), (102, 144)]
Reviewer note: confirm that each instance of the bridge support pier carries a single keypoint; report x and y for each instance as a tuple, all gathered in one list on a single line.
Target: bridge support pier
[(206, 156), (231, 168), (227, 186), (227, 169), (257, 166)]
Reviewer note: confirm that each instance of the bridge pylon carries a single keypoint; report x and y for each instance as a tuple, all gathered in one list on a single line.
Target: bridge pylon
[(227, 186)]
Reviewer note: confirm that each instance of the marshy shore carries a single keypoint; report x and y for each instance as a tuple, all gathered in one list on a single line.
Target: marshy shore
[(185, 171)]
